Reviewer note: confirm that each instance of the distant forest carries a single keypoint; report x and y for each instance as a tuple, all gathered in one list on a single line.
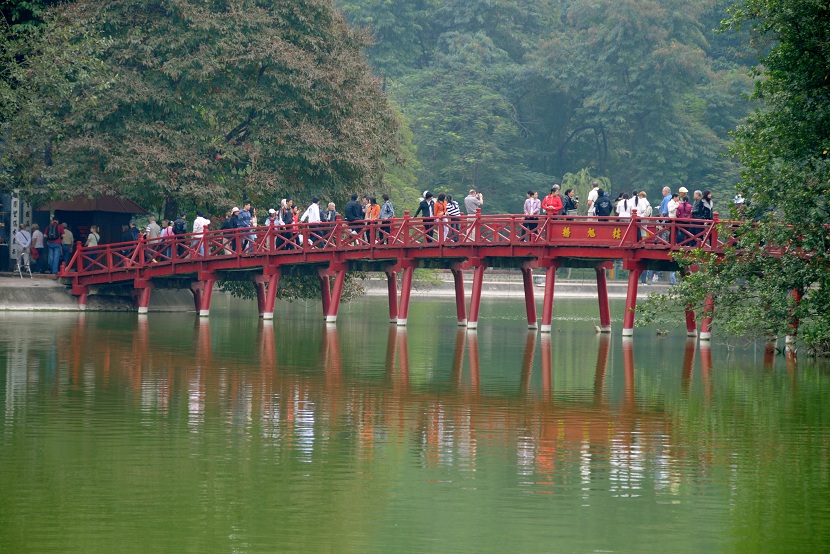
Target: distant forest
[(510, 95)]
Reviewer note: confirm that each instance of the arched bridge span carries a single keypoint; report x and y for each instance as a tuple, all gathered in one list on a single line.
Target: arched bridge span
[(330, 250)]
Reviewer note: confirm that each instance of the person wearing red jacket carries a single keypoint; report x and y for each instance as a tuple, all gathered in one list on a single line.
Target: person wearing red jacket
[(552, 204)]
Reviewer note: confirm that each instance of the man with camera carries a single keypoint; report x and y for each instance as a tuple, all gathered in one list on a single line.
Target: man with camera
[(472, 202)]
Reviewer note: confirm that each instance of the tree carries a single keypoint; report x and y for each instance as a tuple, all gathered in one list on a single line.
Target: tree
[(633, 80), (206, 103), (784, 149)]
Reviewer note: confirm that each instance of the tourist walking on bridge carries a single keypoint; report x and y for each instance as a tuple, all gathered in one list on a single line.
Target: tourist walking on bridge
[(200, 224), (624, 206), (23, 239), (603, 206), (67, 243), (531, 210), (593, 194), (353, 213), (37, 244), (454, 215), (312, 216), (425, 208), (439, 210), (93, 239), (330, 214), (552, 204), (53, 240), (387, 213), (570, 203), (472, 203)]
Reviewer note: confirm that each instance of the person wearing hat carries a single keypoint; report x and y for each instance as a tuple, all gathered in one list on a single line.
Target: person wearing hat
[(68, 241), (683, 191)]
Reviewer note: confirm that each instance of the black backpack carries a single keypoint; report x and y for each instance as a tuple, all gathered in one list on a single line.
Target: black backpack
[(602, 206), (180, 227), (52, 233)]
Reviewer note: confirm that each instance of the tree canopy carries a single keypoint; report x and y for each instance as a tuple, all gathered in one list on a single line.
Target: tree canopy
[(506, 96), (783, 147), (197, 102)]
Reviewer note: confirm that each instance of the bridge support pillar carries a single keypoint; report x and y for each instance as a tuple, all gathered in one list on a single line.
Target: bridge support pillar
[(392, 289), (339, 270), (475, 298), (691, 322), (202, 290), (635, 270), (460, 297), (706, 321), (142, 289), (406, 290), (325, 292), (82, 293), (530, 299), (547, 303), (792, 332), (266, 291), (602, 297)]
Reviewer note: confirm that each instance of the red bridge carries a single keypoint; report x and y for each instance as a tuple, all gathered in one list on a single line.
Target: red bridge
[(330, 250)]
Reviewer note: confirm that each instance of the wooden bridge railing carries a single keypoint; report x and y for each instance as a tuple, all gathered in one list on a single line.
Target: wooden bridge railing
[(378, 238)]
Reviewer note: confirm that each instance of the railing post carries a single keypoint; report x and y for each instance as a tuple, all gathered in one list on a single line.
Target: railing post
[(714, 232), (405, 230), (477, 226), (78, 258), (138, 253), (634, 224)]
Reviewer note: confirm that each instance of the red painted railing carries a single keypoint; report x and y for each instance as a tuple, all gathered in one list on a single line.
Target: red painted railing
[(490, 235)]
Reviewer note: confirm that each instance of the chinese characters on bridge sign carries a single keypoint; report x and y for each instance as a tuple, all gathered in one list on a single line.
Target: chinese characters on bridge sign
[(592, 233)]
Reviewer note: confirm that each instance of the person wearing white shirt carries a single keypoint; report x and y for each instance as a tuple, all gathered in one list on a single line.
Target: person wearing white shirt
[(531, 211), (624, 206), (592, 197), (312, 215), (24, 240), (199, 225), (672, 205)]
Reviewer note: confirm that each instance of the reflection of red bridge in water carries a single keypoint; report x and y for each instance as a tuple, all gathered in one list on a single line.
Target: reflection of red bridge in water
[(269, 392), (329, 251)]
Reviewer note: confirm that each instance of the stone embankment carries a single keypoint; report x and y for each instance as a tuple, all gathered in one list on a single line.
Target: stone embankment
[(43, 293)]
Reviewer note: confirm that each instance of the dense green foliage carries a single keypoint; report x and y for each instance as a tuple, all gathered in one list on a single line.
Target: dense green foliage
[(506, 96), (786, 175), (199, 103)]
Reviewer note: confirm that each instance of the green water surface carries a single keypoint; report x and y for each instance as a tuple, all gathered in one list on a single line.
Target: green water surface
[(167, 433)]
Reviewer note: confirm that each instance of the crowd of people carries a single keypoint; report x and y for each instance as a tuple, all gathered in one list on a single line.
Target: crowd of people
[(41, 252), (442, 213)]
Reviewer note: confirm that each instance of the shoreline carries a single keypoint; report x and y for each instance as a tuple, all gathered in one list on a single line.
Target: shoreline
[(43, 293)]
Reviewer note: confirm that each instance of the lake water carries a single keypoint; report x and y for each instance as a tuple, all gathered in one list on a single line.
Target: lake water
[(170, 433)]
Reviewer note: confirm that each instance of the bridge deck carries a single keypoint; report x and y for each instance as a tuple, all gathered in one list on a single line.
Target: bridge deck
[(392, 246)]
